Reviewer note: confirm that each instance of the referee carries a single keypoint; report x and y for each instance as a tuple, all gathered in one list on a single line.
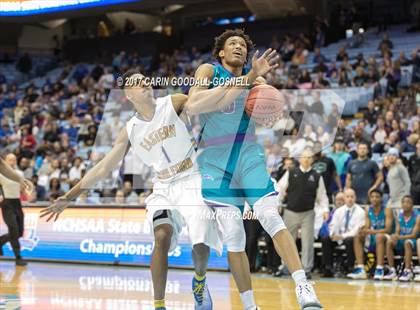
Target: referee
[(12, 181)]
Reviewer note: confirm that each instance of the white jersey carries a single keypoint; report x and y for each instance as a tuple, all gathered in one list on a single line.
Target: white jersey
[(164, 142)]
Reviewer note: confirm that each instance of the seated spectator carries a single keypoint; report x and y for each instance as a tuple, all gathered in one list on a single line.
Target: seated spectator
[(273, 157), (360, 78), (309, 133), (378, 224), (318, 57), (55, 171), (76, 172), (287, 49), (360, 135), (299, 57), (343, 132), (131, 196), (10, 101), (317, 106), (379, 135), (323, 136), (55, 189), (28, 141), (344, 226), (333, 117), (343, 79), (40, 193), (84, 199), (25, 166), (119, 197), (295, 144), (81, 106), (372, 113), (404, 240), (321, 67), (403, 59), (286, 164), (107, 80), (339, 201), (332, 70), (342, 54), (305, 77), (404, 135), (324, 229)]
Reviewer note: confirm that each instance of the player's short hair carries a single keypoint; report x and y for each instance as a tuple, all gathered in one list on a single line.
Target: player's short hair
[(126, 76), (219, 42), (408, 197), (375, 190)]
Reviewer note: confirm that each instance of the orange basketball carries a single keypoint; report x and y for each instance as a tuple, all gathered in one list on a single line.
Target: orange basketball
[(264, 103)]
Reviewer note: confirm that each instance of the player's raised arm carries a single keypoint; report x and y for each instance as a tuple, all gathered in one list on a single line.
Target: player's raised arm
[(204, 100), (94, 175)]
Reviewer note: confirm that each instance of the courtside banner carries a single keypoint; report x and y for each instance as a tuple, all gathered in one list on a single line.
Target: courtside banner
[(103, 235)]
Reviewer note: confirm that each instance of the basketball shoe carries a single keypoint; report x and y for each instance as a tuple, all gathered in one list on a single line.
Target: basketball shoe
[(306, 296), (201, 295)]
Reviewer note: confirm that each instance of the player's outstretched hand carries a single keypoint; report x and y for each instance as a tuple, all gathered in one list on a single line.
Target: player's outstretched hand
[(27, 186), (56, 208), (266, 62)]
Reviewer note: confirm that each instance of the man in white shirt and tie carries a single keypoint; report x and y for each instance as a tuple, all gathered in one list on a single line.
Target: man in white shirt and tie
[(344, 226)]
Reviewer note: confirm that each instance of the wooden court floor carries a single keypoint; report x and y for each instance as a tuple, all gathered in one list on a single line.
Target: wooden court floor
[(65, 286)]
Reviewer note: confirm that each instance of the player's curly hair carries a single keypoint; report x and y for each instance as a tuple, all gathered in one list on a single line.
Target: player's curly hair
[(219, 42)]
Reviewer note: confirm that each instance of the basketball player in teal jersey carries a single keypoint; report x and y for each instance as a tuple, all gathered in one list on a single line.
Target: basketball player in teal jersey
[(233, 166), (379, 223), (404, 240)]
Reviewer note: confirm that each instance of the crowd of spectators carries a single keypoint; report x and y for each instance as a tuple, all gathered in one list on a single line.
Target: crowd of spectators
[(48, 126)]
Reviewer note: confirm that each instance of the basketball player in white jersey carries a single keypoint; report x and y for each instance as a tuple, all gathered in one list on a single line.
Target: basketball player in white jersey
[(161, 140)]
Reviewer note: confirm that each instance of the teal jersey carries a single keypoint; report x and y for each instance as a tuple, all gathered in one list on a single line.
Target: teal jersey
[(222, 127), (407, 227), (232, 163), (377, 222)]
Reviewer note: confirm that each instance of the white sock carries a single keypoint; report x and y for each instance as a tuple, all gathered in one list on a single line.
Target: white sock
[(379, 267), (299, 276), (360, 266), (248, 301)]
